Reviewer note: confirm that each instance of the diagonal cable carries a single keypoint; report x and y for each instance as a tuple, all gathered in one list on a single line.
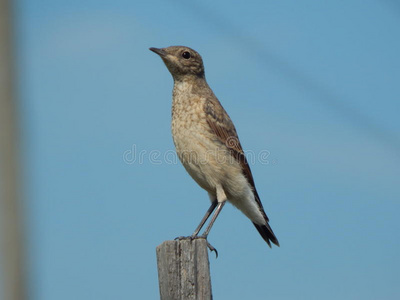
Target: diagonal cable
[(321, 93)]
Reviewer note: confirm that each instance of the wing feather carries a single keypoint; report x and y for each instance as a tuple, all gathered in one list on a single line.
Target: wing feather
[(222, 126)]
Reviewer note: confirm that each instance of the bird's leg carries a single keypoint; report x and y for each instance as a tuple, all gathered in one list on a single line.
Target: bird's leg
[(203, 221), (221, 198), (219, 203), (206, 232), (218, 210), (205, 218)]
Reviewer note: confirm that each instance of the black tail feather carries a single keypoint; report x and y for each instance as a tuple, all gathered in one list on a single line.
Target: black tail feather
[(267, 234)]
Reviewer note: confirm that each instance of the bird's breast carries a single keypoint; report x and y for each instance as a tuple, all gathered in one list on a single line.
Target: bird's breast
[(189, 128), (193, 140)]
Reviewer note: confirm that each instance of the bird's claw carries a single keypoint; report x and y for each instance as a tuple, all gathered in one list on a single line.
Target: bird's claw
[(211, 247), (191, 238), (180, 238)]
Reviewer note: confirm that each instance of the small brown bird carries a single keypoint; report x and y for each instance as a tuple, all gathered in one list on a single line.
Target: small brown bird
[(207, 143)]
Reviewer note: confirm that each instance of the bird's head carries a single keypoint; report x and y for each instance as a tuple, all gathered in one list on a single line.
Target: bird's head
[(181, 61)]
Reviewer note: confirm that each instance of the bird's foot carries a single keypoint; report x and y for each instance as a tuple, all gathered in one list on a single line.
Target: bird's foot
[(212, 248), (180, 238), (191, 238)]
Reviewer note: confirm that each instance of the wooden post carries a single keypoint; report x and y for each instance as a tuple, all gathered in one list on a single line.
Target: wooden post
[(11, 252), (184, 270)]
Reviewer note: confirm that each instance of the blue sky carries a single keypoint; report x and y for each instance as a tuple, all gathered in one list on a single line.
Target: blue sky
[(313, 83)]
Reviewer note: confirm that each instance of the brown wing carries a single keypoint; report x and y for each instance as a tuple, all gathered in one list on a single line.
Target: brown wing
[(223, 127), (225, 131)]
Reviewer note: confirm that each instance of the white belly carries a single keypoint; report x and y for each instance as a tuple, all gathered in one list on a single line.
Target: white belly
[(209, 162)]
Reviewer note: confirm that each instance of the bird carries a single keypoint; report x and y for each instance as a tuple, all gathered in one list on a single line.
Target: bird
[(208, 145)]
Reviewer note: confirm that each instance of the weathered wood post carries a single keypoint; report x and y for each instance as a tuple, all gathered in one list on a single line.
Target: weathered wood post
[(184, 270), (11, 231)]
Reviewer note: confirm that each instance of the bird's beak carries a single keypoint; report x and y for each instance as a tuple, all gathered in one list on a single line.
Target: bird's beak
[(159, 51)]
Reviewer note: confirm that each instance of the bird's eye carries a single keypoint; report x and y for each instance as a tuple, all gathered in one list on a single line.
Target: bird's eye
[(186, 55)]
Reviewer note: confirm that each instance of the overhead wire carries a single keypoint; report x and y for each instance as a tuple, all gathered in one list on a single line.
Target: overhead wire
[(293, 75)]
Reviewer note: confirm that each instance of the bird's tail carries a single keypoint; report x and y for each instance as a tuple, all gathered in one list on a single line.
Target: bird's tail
[(267, 234)]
